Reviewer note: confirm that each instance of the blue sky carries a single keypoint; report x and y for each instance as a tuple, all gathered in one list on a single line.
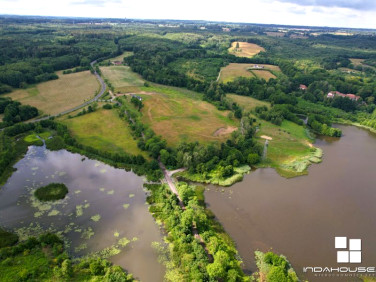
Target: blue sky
[(342, 13)]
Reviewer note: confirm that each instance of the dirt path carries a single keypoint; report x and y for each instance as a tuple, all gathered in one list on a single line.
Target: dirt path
[(101, 92), (167, 174)]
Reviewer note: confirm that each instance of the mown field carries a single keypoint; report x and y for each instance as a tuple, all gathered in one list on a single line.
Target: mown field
[(247, 103), (180, 115), (55, 96), (103, 130), (121, 57), (289, 141), (245, 49), (264, 74), (234, 70), (122, 78)]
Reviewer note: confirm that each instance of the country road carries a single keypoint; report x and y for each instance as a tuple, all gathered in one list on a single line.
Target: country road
[(103, 89)]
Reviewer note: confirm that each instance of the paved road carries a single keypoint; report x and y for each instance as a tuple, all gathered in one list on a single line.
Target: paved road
[(103, 89)]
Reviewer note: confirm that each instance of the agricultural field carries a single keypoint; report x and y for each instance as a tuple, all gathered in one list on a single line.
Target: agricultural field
[(245, 49), (122, 78), (105, 131), (180, 115), (289, 142), (263, 74), (357, 62), (234, 70), (121, 57), (55, 96), (247, 103)]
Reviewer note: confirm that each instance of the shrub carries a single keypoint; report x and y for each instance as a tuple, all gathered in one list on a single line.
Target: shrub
[(7, 239), (51, 192)]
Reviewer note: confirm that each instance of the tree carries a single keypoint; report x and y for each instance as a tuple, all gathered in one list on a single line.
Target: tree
[(253, 158), (66, 268), (237, 45)]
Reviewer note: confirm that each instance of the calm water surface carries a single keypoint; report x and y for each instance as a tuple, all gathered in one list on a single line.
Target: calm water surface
[(300, 217), (105, 207)]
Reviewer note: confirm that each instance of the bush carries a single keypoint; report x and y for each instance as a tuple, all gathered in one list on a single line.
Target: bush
[(55, 144), (51, 192), (107, 106), (7, 239)]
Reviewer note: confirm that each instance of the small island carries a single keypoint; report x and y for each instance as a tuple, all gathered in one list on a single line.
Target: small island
[(51, 192)]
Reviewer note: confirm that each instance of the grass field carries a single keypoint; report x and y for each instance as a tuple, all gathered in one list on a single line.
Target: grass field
[(55, 96), (357, 62), (104, 130), (121, 57), (289, 144), (122, 78), (245, 49), (234, 70), (180, 115), (264, 74), (247, 103)]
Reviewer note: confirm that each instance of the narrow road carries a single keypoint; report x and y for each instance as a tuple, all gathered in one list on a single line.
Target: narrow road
[(173, 189), (103, 89)]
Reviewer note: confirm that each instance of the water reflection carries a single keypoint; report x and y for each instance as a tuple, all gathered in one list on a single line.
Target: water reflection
[(300, 217), (104, 210)]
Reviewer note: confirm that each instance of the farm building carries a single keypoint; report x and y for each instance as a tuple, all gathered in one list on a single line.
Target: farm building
[(302, 87), (137, 97), (333, 94)]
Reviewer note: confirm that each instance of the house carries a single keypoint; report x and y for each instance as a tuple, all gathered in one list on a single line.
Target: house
[(303, 87), (333, 94), (137, 97), (257, 67), (117, 63)]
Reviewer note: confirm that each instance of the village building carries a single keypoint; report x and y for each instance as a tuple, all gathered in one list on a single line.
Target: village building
[(137, 97), (333, 94), (303, 87)]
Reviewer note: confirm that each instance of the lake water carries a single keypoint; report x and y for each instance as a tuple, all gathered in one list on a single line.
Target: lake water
[(105, 209), (300, 217)]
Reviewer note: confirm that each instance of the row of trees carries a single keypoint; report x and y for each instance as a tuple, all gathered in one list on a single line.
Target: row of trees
[(187, 260), (14, 112)]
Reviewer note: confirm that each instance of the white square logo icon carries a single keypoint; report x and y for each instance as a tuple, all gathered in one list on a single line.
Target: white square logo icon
[(354, 253), (341, 242), (356, 257), (355, 245), (342, 256)]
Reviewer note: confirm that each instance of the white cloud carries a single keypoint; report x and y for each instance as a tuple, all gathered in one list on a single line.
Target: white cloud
[(291, 12)]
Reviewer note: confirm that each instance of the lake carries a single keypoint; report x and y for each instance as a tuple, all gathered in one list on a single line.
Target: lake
[(300, 217), (105, 210)]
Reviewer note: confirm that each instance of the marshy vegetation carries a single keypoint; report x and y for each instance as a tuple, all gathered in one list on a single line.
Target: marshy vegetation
[(51, 192)]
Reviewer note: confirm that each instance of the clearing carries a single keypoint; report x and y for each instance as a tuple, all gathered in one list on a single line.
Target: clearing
[(180, 115), (121, 57), (123, 79), (234, 70), (104, 130), (290, 149), (264, 74), (55, 96), (245, 49), (247, 103)]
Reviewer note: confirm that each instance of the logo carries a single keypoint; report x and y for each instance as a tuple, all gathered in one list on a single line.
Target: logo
[(349, 251), (354, 252)]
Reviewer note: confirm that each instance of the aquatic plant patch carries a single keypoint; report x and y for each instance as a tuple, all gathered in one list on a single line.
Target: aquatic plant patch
[(51, 192)]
